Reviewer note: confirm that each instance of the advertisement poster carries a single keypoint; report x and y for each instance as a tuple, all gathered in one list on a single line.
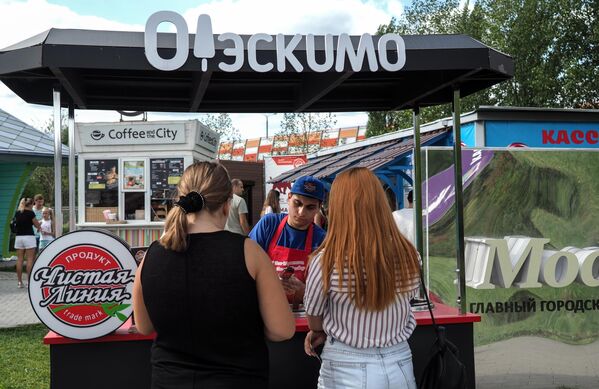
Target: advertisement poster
[(531, 260), (165, 174), (133, 175), (101, 174), (274, 166)]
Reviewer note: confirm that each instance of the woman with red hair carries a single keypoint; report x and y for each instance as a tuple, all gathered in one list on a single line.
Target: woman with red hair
[(358, 290)]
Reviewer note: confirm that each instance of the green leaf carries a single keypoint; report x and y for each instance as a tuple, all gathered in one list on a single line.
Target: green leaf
[(121, 307), (121, 316)]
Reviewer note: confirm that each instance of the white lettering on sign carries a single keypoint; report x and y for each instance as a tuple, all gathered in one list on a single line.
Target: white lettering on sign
[(522, 262), (203, 49)]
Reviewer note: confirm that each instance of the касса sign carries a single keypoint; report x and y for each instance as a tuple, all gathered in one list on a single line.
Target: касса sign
[(81, 284)]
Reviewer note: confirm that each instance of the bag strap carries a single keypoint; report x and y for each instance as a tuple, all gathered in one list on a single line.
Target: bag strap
[(428, 302)]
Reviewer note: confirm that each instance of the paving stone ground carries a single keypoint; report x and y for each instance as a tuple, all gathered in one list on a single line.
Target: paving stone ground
[(15, 308), (538, 363), (524, 362)]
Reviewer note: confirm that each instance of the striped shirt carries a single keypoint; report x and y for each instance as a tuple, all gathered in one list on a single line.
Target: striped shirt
[(346, 323)]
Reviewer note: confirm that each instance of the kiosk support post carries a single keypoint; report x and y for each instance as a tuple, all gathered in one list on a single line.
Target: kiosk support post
[(71, 168), (418, 303), (57, 163), (459, 203), (416, 165)]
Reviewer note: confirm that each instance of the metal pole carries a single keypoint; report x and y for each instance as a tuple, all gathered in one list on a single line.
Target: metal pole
[(416, 163), (418, 303), (266, 117), (459, 203), (57, 164), (72, 214)]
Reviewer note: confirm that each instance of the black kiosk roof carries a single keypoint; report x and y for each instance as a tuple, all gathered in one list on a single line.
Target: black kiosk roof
[(108, 70)]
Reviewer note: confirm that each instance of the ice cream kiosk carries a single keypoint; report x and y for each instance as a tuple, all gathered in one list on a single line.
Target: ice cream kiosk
[(128, 173)]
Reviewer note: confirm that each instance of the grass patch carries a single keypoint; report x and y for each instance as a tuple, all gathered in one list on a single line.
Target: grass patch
[(25, 359)]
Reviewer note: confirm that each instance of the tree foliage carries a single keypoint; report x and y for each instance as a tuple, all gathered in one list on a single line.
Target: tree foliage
[(554, 43), (222, 124), (301, 125), (41, 180)]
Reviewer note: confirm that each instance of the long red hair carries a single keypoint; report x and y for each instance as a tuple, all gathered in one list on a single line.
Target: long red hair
[(364, 241)]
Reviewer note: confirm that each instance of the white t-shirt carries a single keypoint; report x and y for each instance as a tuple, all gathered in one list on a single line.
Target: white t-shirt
[(404, 218), (46, 230), (237, 206)]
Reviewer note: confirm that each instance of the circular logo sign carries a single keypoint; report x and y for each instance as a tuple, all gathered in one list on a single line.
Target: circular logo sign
[(81, 284), (298, 162), (517, 144)]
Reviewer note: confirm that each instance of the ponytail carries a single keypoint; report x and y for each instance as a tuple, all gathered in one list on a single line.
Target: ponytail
[(175, 230), (212, 186)]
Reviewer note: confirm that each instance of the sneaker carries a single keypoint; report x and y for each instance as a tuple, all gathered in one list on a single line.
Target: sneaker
[(19, 285)]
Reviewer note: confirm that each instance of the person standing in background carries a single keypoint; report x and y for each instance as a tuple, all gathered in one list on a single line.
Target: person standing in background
[(38, 207), (271, 204), (237, 221), (320, 218), (404, 218), (46, 228), (358, 290), (25, 243)]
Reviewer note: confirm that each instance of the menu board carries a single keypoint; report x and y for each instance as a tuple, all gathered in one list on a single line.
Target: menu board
[(101, 174), (165, 174)]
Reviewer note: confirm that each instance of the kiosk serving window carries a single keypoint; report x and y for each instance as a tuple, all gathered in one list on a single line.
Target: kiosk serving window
[(101, 188), (119, 189), (165, 174)]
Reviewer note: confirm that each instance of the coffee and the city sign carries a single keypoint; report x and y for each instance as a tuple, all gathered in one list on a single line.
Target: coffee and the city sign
[(387, 52), (128, 133), (81, 284)]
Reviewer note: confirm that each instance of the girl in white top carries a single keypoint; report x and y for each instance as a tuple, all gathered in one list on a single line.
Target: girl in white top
[(46, 228), (358, 290)]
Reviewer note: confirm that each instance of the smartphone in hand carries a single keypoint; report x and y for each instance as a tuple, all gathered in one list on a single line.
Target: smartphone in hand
[(287, 273)]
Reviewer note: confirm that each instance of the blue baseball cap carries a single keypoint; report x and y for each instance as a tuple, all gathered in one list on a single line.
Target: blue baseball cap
[(309, 186)]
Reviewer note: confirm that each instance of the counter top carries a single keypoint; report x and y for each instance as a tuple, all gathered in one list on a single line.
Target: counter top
[(443, 315), (129, 224)]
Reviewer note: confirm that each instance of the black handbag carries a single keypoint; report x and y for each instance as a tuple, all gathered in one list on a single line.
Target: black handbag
[(13, 224), (443, 369)]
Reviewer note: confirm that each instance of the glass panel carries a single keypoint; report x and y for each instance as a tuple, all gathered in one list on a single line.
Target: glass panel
[(135, 205), (165, 174), (532, 261), (101, 189)]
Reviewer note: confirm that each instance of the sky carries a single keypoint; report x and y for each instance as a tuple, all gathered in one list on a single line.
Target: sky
[(21, 19)]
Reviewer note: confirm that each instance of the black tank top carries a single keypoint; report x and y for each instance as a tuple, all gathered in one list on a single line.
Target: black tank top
[(204, 307)]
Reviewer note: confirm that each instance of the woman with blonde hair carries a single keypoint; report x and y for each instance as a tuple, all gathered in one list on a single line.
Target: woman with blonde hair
[(47, 233), (211, 296), (358, 290), (25, 242), (271, 204)]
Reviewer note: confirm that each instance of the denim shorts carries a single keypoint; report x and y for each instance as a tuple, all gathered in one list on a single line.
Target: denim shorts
[(348, 367)]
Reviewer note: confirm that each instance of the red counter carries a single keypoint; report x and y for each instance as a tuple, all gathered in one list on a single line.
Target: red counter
[(127, 355)]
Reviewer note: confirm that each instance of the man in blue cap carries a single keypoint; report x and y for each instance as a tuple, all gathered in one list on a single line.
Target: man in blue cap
[(288, 239)]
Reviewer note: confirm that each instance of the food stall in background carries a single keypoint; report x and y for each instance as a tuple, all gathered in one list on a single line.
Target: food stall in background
[(129, 171)]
